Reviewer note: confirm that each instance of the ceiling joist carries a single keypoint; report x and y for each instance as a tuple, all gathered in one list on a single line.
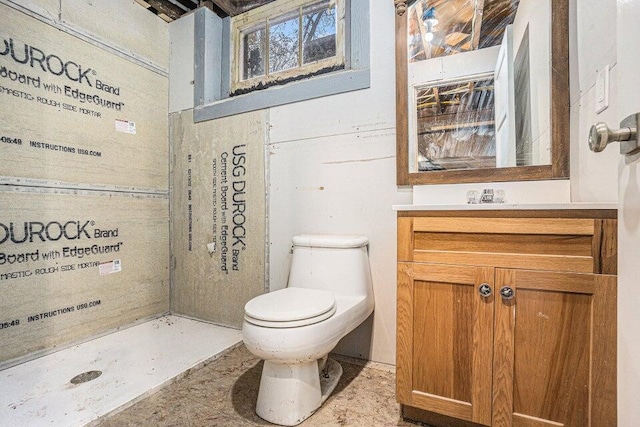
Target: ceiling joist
[(462, 25), (170, 10)]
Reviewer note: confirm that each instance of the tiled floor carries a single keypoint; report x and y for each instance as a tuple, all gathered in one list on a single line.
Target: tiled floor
[(224, 393), (134, 362)]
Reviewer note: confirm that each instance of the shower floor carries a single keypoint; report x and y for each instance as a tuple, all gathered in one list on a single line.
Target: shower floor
[(135, 362)]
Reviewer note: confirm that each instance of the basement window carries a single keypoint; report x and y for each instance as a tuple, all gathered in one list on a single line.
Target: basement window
[(283, 52), (285, 42)]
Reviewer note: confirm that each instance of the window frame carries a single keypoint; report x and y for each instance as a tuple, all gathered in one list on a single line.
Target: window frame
[(262, 17), (213, 69)]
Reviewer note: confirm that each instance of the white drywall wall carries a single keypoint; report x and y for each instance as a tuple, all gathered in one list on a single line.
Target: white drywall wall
[(332, 170), (594, 177)]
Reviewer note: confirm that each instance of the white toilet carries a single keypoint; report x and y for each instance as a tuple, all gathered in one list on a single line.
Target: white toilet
[(328, 294)]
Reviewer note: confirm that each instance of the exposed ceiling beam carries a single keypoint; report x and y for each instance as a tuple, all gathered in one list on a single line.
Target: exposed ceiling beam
[(245, 5), (143, 4), (426, 47), (209, 4), (236, 7), (170, 10), (477, 24), (439, 106), (185, 5), (166, 7), (228, 6)]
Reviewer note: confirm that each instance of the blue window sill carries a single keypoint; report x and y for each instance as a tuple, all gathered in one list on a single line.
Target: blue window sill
[(315, 87)]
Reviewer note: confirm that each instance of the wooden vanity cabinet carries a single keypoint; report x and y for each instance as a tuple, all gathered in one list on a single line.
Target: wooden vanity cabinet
[(545, 357)]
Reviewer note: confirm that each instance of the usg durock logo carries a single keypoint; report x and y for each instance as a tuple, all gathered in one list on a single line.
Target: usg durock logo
[(51, 63), (39, 231)]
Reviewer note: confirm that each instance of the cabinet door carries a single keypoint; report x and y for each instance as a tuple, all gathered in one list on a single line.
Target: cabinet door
[(555, 350), (445, 340)]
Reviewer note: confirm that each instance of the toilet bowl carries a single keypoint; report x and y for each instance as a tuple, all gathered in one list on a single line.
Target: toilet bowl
[(328, 294)]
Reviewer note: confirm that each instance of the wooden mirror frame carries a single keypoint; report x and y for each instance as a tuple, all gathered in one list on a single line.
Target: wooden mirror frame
[(560, 113)]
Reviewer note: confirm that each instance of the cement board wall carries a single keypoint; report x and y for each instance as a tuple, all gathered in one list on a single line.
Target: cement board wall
[(50, 8), (76, 117), (147, 35), (218, 215), (76, 263), (75, 113)]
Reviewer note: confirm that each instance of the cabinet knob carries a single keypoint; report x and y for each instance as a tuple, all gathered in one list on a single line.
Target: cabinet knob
[(507, 292), (485, 290)]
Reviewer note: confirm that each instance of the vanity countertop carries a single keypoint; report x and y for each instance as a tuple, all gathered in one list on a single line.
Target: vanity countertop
[(508, 206)]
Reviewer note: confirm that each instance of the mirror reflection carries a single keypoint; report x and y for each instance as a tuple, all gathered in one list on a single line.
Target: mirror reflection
[(479, 84)]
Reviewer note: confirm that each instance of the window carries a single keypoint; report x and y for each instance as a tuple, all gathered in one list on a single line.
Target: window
[(283, 52), (279, 43)]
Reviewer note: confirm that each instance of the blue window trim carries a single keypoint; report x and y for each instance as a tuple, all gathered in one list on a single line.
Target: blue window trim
[(212, 68)]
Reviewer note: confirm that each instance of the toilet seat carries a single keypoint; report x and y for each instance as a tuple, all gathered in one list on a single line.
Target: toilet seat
[(290, 308)]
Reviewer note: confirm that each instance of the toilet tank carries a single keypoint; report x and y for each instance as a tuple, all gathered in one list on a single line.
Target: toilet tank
[(339, 264)]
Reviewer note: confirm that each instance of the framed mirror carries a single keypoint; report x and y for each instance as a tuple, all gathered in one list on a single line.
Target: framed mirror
[(482, 90)]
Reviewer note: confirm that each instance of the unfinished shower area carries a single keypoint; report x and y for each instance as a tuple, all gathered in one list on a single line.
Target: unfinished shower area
[(112, 275)]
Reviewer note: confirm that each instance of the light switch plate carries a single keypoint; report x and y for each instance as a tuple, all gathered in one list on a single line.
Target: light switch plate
[(602, 89)]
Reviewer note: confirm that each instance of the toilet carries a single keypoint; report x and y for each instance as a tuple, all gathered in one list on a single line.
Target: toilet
[(328, 294)]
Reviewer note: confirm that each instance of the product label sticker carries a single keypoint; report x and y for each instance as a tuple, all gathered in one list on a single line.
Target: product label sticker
[(125, 126), (110, 267)]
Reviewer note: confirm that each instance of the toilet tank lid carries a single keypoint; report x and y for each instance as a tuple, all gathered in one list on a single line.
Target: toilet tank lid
[(330, 241)]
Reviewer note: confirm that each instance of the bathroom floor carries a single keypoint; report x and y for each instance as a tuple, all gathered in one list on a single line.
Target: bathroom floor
[(134, 362), (224, 393)]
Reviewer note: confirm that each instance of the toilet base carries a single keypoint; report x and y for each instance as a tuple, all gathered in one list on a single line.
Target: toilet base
[(289, 394)]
